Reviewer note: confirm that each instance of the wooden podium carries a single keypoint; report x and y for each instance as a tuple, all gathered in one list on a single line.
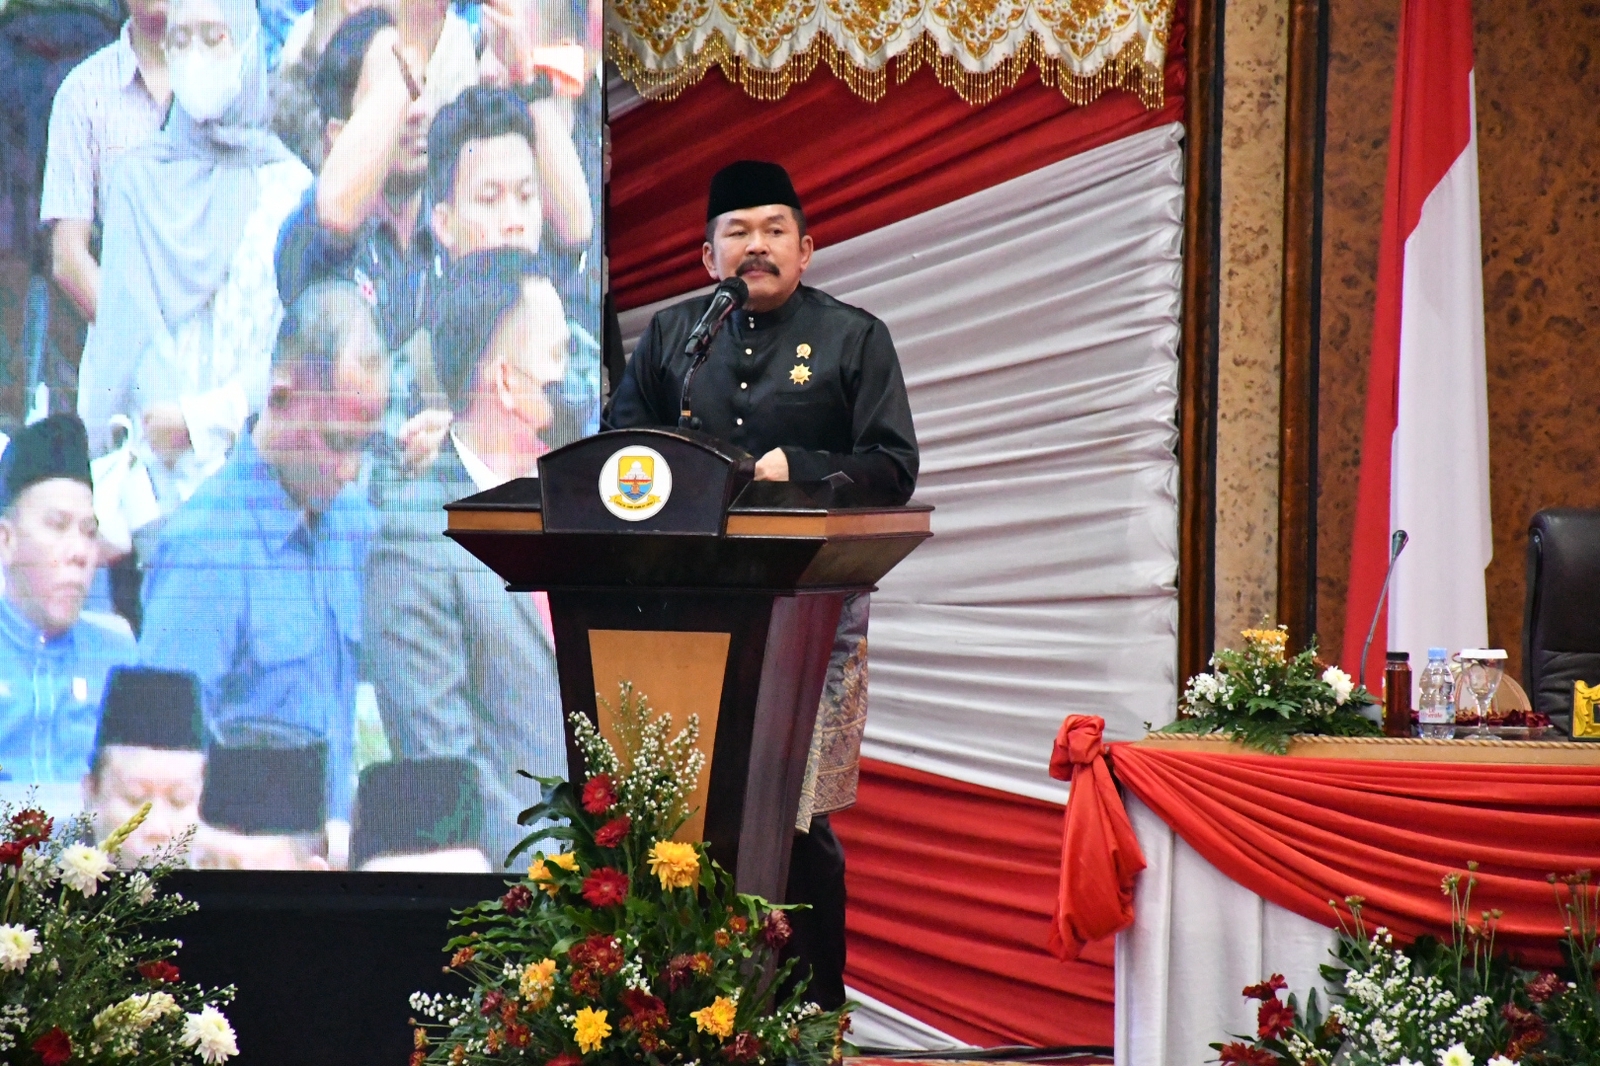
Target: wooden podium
[(668, 566)]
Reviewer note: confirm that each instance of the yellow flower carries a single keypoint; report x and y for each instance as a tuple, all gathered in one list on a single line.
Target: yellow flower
[(538, 983), (716, 1019), (591, 1029), (677, 865), (539, 872), (1269, 641)]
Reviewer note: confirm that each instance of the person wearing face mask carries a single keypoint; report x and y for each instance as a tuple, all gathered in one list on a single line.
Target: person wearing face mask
[(255, 584), (188, 305), (462, 669)]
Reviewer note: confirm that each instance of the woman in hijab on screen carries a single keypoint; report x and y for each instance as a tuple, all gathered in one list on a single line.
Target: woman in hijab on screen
[(180, 352)]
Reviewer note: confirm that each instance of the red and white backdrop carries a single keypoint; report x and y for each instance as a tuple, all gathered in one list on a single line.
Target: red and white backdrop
[(1025, 254)]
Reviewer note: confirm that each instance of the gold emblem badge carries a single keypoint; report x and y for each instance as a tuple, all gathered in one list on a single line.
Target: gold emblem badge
[(804, 351), (800, 374)]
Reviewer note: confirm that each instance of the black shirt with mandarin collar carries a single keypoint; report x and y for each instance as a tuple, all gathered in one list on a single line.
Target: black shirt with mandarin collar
[(816, 377)]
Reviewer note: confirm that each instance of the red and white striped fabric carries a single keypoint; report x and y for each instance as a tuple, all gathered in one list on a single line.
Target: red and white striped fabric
[(1425, 443), (1026, 257)]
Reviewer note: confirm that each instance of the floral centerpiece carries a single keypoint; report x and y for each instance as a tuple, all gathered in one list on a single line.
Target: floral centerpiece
[(1438, 1004), (628, 946), (1260, 696), (81, 981)]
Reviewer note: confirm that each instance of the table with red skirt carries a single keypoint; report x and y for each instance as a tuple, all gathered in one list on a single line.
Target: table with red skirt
[(1216, 866)]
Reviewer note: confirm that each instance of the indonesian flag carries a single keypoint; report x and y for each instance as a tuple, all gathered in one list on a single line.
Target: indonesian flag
[(1425, 442)]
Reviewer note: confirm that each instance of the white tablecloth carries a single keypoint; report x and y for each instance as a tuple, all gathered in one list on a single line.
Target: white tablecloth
[(1197, 939)]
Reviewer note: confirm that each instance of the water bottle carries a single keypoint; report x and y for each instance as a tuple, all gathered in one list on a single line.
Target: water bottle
[(1436, 705)]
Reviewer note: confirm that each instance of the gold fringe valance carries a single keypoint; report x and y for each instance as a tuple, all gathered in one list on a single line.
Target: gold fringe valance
[(979, 48)]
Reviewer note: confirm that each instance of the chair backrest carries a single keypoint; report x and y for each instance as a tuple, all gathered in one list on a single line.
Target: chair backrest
[(1561, 620)]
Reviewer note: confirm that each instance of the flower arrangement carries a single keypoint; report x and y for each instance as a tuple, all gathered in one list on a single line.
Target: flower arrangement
[(629, 946), (1260, 696), (80, 980), (1438, 1004)]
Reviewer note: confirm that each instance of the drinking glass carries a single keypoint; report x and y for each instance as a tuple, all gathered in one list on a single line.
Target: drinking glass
[(1481, 671)]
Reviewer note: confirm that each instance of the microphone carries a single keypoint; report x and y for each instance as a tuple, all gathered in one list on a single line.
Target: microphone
[(1397, 544), (730, 295)]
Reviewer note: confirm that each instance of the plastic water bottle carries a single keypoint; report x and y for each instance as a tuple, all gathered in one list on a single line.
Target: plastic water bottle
[(1436, 705)]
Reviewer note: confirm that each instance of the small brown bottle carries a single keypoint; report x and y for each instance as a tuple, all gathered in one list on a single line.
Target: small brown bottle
[(1397, 694)]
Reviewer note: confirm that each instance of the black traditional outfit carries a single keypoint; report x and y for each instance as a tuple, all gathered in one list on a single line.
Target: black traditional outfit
[(819, 379)]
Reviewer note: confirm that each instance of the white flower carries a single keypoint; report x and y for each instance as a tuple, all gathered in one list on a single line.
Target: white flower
[(1500, 1060), (210, 1034), (143, 889), (84, 868), (17, 946), (1456, 1055), (1340, 682)]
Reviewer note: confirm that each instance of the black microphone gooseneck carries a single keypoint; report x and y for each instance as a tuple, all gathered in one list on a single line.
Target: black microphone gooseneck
[(729, 296), (1397, 544)]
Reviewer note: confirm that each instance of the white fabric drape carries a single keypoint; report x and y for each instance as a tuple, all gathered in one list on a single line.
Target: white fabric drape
[(1197, 940), (1037, 325)]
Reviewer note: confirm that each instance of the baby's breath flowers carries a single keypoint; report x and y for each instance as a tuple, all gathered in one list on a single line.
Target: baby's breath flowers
[(638, 948)]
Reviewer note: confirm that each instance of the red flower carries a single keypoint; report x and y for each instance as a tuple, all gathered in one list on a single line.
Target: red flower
[(11, 852), (1245, 1055), (1267, 989), (53, 1047), (1274, 1019), (1545, 986), (585, 983), (701, 964), (776, 932), (739, 925), (418, 1057), (597, 952), (1527, 1028), (680, 971), (566, 1058), (31, 826), (491, 1002), (613, 832), (643, 1008), (598, 794), (606, 887), (518, 1035), (516, 899), (160, 971), (746, 1047)]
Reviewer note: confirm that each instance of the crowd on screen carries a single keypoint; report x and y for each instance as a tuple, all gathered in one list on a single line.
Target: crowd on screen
[(339, 265)]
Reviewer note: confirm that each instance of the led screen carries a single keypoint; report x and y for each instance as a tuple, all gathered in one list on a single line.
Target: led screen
[(281, 281)]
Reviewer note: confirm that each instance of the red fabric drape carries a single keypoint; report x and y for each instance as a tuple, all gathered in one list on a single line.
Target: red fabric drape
[(952, 887), (1302, 832), (856, 165), (1100, 856)]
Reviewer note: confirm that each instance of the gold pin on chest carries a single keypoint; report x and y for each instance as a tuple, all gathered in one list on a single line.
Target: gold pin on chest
[(803, 352), (800, 374)]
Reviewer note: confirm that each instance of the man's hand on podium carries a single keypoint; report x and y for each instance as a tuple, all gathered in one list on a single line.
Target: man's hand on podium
[(774, 466)]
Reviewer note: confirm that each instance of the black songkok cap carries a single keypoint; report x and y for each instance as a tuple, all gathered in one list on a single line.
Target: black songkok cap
[(466, 309), (416, 805), (266, 778), (145, 708), (749, 183), (54, 447)]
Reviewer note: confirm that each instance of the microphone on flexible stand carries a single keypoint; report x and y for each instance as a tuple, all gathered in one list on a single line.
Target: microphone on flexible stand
[(1397, 544), (729, 296)]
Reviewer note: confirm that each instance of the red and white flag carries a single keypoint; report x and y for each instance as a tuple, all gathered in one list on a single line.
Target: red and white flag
[(1425, 442)]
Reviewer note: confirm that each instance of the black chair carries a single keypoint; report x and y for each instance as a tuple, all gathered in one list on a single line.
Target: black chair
[(1561, 621)]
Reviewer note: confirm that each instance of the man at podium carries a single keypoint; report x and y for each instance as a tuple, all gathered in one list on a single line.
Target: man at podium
[(811, 387)]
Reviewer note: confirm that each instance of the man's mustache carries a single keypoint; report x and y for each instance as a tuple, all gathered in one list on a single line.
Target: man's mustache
[(755, 263)]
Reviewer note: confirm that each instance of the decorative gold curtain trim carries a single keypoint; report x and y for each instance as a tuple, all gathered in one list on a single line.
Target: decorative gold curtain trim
[(1127, 70)]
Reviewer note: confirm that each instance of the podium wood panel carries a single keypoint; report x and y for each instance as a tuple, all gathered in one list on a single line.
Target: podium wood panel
[(680, 674)]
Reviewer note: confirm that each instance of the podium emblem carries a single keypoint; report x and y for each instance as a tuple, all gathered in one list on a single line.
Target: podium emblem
[(635, 483)]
